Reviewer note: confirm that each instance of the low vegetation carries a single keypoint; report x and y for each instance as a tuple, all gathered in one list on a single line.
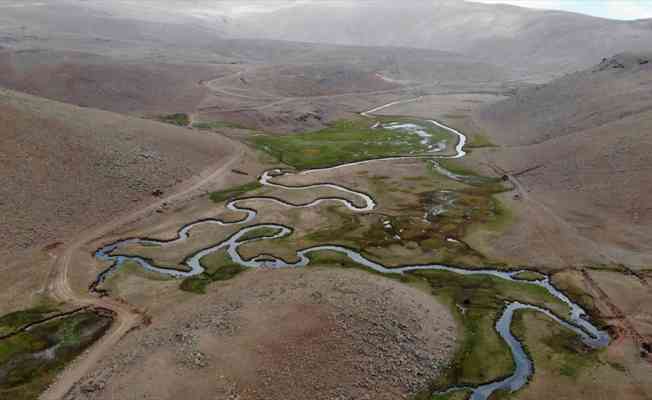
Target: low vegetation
[(428, 220), (259, 233), (452, 210), (12, 322), (337, 260), (560, 356), (29, 360), (477, 302), (179, 119), (479, 141), (457, 172), (114, 283), (579, 295), (529, 276), (234, 192), (216, 125), (344, 141), (456, 395), (219, 267)]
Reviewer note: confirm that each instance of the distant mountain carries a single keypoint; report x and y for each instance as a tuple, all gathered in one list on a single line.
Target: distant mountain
[(530, 40), (534, 43)]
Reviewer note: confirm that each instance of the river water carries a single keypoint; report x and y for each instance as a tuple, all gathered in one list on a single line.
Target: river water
[(576, 320)]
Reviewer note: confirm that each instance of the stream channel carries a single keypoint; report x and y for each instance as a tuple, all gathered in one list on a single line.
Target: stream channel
[(576, 320)]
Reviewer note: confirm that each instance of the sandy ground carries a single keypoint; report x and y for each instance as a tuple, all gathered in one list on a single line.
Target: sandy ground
[(290, 334)]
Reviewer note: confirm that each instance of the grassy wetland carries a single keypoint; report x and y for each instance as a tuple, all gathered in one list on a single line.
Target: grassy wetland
[(349, 141), (31, 358), (424, 210)]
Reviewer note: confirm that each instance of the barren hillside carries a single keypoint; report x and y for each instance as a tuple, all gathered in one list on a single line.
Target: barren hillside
[(587, 136), (117, 57), (110, 84), (534, 43), (531, 41), (617, 88), (65, 167)]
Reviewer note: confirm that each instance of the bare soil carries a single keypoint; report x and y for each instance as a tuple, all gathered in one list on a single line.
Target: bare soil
[(579, 150), (66, 168), (289, 334), (102, 163), (134, 87)]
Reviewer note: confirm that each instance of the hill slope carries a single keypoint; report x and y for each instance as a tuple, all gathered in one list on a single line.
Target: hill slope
[(65, 167), (588, 137), (116, 85), (533, 43), (525, 39)]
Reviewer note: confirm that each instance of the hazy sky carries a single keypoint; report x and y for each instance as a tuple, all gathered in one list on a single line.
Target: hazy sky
[(617, 9)]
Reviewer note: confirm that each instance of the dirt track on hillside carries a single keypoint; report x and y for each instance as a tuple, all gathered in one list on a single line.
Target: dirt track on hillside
[(126, 317)]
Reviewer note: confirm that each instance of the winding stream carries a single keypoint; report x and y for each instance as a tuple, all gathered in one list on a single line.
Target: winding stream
[(576, 320)]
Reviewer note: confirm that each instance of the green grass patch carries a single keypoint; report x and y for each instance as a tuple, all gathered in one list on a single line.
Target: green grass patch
[(232, 193), (473, 208), (342, 224), (14, 321), (344, 141), (219, 267), (457, 395), (529, 276), (460, 173), (477, 302), (259, 233), (462, 394), (29, 361), (457, 168), (179, 119), (573, 354), (561, 351), (216, 125), (499, 219), (479, 141), (18, 344)]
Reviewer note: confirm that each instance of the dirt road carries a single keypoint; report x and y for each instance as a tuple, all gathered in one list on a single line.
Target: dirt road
[(272, 100), (126, 318)]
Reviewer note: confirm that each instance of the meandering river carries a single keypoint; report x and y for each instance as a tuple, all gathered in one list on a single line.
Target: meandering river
[(576, 320)]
